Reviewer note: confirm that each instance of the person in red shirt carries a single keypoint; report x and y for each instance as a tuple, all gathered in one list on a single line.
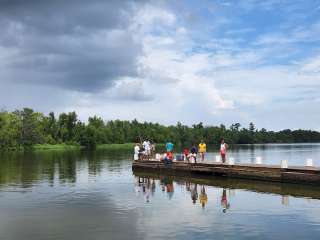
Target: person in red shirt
[(168, 158), (186, 153)]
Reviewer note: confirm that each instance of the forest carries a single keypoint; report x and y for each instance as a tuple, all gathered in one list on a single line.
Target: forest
[(25, 128)]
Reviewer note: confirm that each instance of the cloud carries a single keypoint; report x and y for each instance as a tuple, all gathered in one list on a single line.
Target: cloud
[(311, 65), (129, 90), (162, 61), (74, 45)]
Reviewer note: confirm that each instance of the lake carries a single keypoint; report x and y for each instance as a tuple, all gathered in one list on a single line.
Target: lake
[(95, 195)]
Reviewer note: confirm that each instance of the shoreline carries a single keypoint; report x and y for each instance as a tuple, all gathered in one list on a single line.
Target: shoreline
[(123, 146), (63, 147)]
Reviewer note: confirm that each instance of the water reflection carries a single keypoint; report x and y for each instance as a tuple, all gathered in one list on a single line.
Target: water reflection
[(194, 193), (224, 201), (25, 169), (196, 189), (203, 197), (146, 187), (92, 193)]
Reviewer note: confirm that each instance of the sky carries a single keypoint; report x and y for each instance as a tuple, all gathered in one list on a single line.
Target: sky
[(190, 61)]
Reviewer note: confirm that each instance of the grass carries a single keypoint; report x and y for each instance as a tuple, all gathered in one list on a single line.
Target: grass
[(55, 147), (125, 146), (116, 146)]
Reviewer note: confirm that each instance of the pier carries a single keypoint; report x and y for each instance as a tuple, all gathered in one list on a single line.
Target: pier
[(270, 173)]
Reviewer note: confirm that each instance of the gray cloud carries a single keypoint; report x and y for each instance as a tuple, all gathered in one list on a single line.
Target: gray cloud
[(77, 45)]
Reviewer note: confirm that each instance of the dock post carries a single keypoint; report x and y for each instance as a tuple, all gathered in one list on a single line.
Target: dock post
[(284, 163), (258, 160), (218, 158), (231, 161), (309, 162)]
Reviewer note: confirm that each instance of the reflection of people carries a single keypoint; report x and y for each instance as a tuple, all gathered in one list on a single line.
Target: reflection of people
[(153, 187), (224, 201), (202, 149), (223, 150), (285, 200), (145, 187), (203, 198), (170, 189), (168, 185), (188, 186), (194, 194), (137, 186), (162, 183)]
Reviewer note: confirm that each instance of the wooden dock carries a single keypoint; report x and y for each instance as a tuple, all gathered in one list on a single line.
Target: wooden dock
[(271, 173)]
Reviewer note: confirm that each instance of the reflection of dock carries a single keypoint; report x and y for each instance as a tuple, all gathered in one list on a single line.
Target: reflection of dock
[(271, 173), (283, 189)]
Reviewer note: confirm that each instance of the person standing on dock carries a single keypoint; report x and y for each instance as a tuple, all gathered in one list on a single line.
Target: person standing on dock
[(202, 149), (169, 147), (136, 152), (193, 154), (186, 154), (223, 150)]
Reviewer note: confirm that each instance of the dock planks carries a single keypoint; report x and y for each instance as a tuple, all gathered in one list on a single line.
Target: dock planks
[(271, 173)]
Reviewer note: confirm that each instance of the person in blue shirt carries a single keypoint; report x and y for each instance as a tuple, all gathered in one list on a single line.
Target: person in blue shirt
[(169, 146)]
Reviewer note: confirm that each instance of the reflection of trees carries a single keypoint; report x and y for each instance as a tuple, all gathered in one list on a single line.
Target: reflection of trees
[(67, 169), (252, 154), (26, 168), (94, 163)]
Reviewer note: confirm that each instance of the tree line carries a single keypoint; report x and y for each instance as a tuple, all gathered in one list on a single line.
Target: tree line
[(24, 128)]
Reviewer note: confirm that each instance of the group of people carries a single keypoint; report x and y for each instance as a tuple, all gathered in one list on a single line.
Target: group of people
[(143, 150), (190, 155), (146, 149)]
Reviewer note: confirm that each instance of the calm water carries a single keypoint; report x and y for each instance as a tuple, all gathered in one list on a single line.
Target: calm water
[(83, 195)]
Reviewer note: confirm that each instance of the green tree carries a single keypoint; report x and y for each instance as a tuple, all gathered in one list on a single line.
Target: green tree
[(31, 129)]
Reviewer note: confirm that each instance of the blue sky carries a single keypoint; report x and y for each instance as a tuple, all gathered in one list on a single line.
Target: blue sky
[(165, 61)]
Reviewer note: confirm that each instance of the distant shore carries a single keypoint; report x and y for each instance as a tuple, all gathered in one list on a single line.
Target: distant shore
[(111, 146)]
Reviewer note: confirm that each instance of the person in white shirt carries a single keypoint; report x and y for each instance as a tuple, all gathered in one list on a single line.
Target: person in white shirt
[(136, 152), (144, 144), (148, 148)]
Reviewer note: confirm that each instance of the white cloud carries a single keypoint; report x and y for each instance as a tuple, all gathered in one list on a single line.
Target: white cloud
[(312, 65), (128, 90)]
